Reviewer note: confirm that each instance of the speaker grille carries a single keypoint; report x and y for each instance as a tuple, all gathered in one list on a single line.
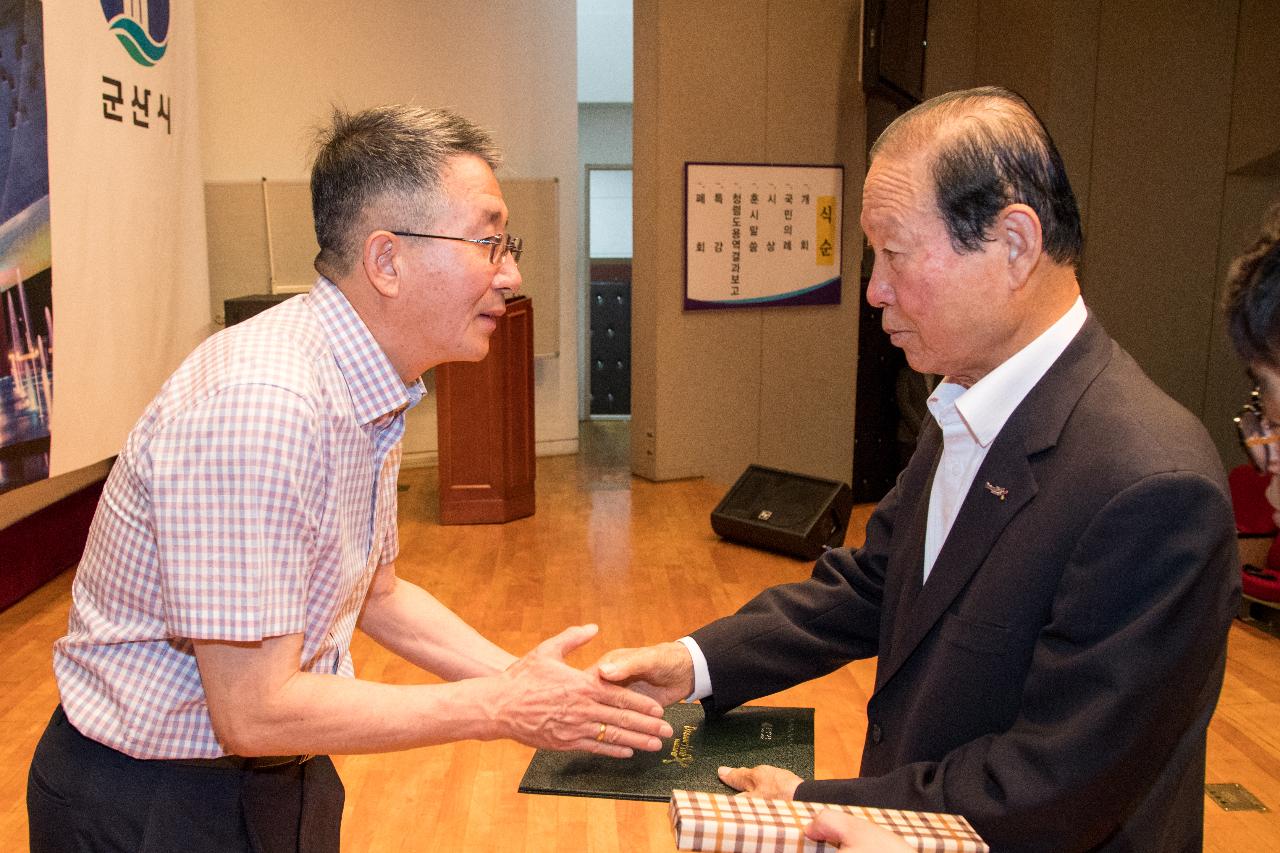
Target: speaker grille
[(779, 500), (784, 512)]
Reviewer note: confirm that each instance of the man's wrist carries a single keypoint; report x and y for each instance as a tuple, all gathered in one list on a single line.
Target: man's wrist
[(701, 672)]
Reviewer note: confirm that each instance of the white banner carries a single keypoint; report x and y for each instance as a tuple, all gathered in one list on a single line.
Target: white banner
[(126, 205), (761, 235)]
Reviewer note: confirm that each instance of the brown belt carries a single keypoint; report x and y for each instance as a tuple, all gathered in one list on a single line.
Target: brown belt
[(240, 762)]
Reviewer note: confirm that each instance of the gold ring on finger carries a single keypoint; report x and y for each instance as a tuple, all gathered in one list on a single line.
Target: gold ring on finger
[(600, 734)]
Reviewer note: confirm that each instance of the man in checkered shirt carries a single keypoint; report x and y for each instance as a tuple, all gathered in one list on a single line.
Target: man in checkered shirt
[(249, 525)]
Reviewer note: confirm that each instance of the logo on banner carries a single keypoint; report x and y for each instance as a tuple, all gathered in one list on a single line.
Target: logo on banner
[(142, 27)]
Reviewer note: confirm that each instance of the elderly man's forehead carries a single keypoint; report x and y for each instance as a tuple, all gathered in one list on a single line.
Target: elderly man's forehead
[(897, 184)]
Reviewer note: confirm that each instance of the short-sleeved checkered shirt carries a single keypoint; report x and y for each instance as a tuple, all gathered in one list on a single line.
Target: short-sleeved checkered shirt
[(255, 498)]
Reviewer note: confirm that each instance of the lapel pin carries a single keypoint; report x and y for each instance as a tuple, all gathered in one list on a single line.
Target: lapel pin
[(999, 491)]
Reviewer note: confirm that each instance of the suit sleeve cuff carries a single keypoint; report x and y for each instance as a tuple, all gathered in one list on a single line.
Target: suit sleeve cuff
[(840, 791)]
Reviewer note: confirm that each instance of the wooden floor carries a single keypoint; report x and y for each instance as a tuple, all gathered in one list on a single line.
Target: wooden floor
[(640, 559)]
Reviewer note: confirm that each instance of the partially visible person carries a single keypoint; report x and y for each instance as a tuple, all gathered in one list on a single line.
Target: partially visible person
[(1253, 324), (1048, 587), (249, 525), (854, 835)]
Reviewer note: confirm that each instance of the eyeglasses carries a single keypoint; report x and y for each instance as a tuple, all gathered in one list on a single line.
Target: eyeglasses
[(499, 245), (1257, 433)]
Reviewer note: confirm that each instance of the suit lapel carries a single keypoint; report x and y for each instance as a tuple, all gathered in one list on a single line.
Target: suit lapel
[(907, 562), (1005, 483), (982, 518)]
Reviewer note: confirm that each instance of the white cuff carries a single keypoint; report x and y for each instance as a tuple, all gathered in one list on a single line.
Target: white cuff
[(701, 675)]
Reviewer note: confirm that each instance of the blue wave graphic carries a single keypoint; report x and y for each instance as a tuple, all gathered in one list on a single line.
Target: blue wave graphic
[(137, 42), (777, 297)]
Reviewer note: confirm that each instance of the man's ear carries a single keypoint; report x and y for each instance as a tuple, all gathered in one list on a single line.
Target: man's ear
[(1019, 229), (379, 258)]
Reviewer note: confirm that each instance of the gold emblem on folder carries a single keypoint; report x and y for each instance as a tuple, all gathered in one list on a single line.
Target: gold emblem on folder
[(681, 749)]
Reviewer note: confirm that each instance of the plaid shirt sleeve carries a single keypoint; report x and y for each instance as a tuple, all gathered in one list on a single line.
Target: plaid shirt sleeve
[(236, 482), (390, 518)]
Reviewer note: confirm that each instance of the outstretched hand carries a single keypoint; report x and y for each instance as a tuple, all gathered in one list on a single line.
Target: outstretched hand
[(663, 672), (545, 703)]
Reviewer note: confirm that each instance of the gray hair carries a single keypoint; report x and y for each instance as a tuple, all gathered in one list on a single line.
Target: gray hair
[(383, 162), (988, 149)]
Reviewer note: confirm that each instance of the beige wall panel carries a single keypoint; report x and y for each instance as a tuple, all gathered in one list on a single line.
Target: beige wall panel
[(646, 125), (816, 115), (1046, 50), (533, 207), (712, 86), (807, 385), (1247, 199), (1070, 107), (237, 226), (1015, 47), (291, 235), (752, 82), (1160, 141), (709, 410), (1255, 106)]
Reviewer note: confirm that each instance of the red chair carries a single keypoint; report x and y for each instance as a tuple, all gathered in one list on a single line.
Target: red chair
[(1263, 584), (1254, 513), (1255, 519)]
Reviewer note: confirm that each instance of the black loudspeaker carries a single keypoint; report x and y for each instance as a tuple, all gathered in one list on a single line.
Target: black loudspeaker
[(785, 512)]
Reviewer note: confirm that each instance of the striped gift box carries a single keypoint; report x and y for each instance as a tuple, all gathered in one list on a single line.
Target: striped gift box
[(748, 825)]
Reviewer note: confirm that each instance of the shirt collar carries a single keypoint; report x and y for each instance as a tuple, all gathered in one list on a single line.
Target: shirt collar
[(377, 391), (986, 405)]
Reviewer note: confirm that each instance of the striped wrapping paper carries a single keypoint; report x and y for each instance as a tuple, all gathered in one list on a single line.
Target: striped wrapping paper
[(721, 822)]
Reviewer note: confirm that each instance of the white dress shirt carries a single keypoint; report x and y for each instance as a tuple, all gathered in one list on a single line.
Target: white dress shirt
[(970, 419)]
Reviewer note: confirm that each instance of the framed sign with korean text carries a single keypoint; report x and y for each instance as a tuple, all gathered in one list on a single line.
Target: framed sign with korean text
[(761, 235)]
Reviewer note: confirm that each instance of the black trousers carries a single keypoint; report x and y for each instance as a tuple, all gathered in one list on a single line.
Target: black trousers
[(84, 796)]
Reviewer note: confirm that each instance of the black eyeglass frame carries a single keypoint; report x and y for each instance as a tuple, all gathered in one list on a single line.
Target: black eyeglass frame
[(1256, 432), (498, 247)]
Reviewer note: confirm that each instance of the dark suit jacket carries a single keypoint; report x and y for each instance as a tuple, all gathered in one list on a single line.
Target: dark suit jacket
[(1054, 679)]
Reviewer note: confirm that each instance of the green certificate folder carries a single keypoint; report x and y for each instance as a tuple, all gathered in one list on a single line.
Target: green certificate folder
[(745, 737)]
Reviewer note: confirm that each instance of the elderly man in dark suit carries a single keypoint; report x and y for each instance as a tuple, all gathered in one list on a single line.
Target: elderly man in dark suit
[(1048, 586)]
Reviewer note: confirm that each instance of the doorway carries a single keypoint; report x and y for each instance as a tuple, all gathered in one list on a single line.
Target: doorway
[(608, 244)]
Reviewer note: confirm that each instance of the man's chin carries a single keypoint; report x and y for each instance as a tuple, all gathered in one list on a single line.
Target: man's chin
[(478, 351)]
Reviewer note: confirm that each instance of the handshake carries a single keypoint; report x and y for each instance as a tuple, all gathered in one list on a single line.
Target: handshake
[(611, 708)]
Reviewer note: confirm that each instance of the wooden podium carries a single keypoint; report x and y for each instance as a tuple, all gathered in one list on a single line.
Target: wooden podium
[(484, 417)]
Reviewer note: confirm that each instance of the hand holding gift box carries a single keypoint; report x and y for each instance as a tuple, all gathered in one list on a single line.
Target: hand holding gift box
[(718, 822)]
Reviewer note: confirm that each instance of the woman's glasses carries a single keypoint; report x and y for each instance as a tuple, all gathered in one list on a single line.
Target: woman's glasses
[(1258, 436)]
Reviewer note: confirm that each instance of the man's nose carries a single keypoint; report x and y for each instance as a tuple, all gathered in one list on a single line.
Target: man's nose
[(879, 293), (508, 277)]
